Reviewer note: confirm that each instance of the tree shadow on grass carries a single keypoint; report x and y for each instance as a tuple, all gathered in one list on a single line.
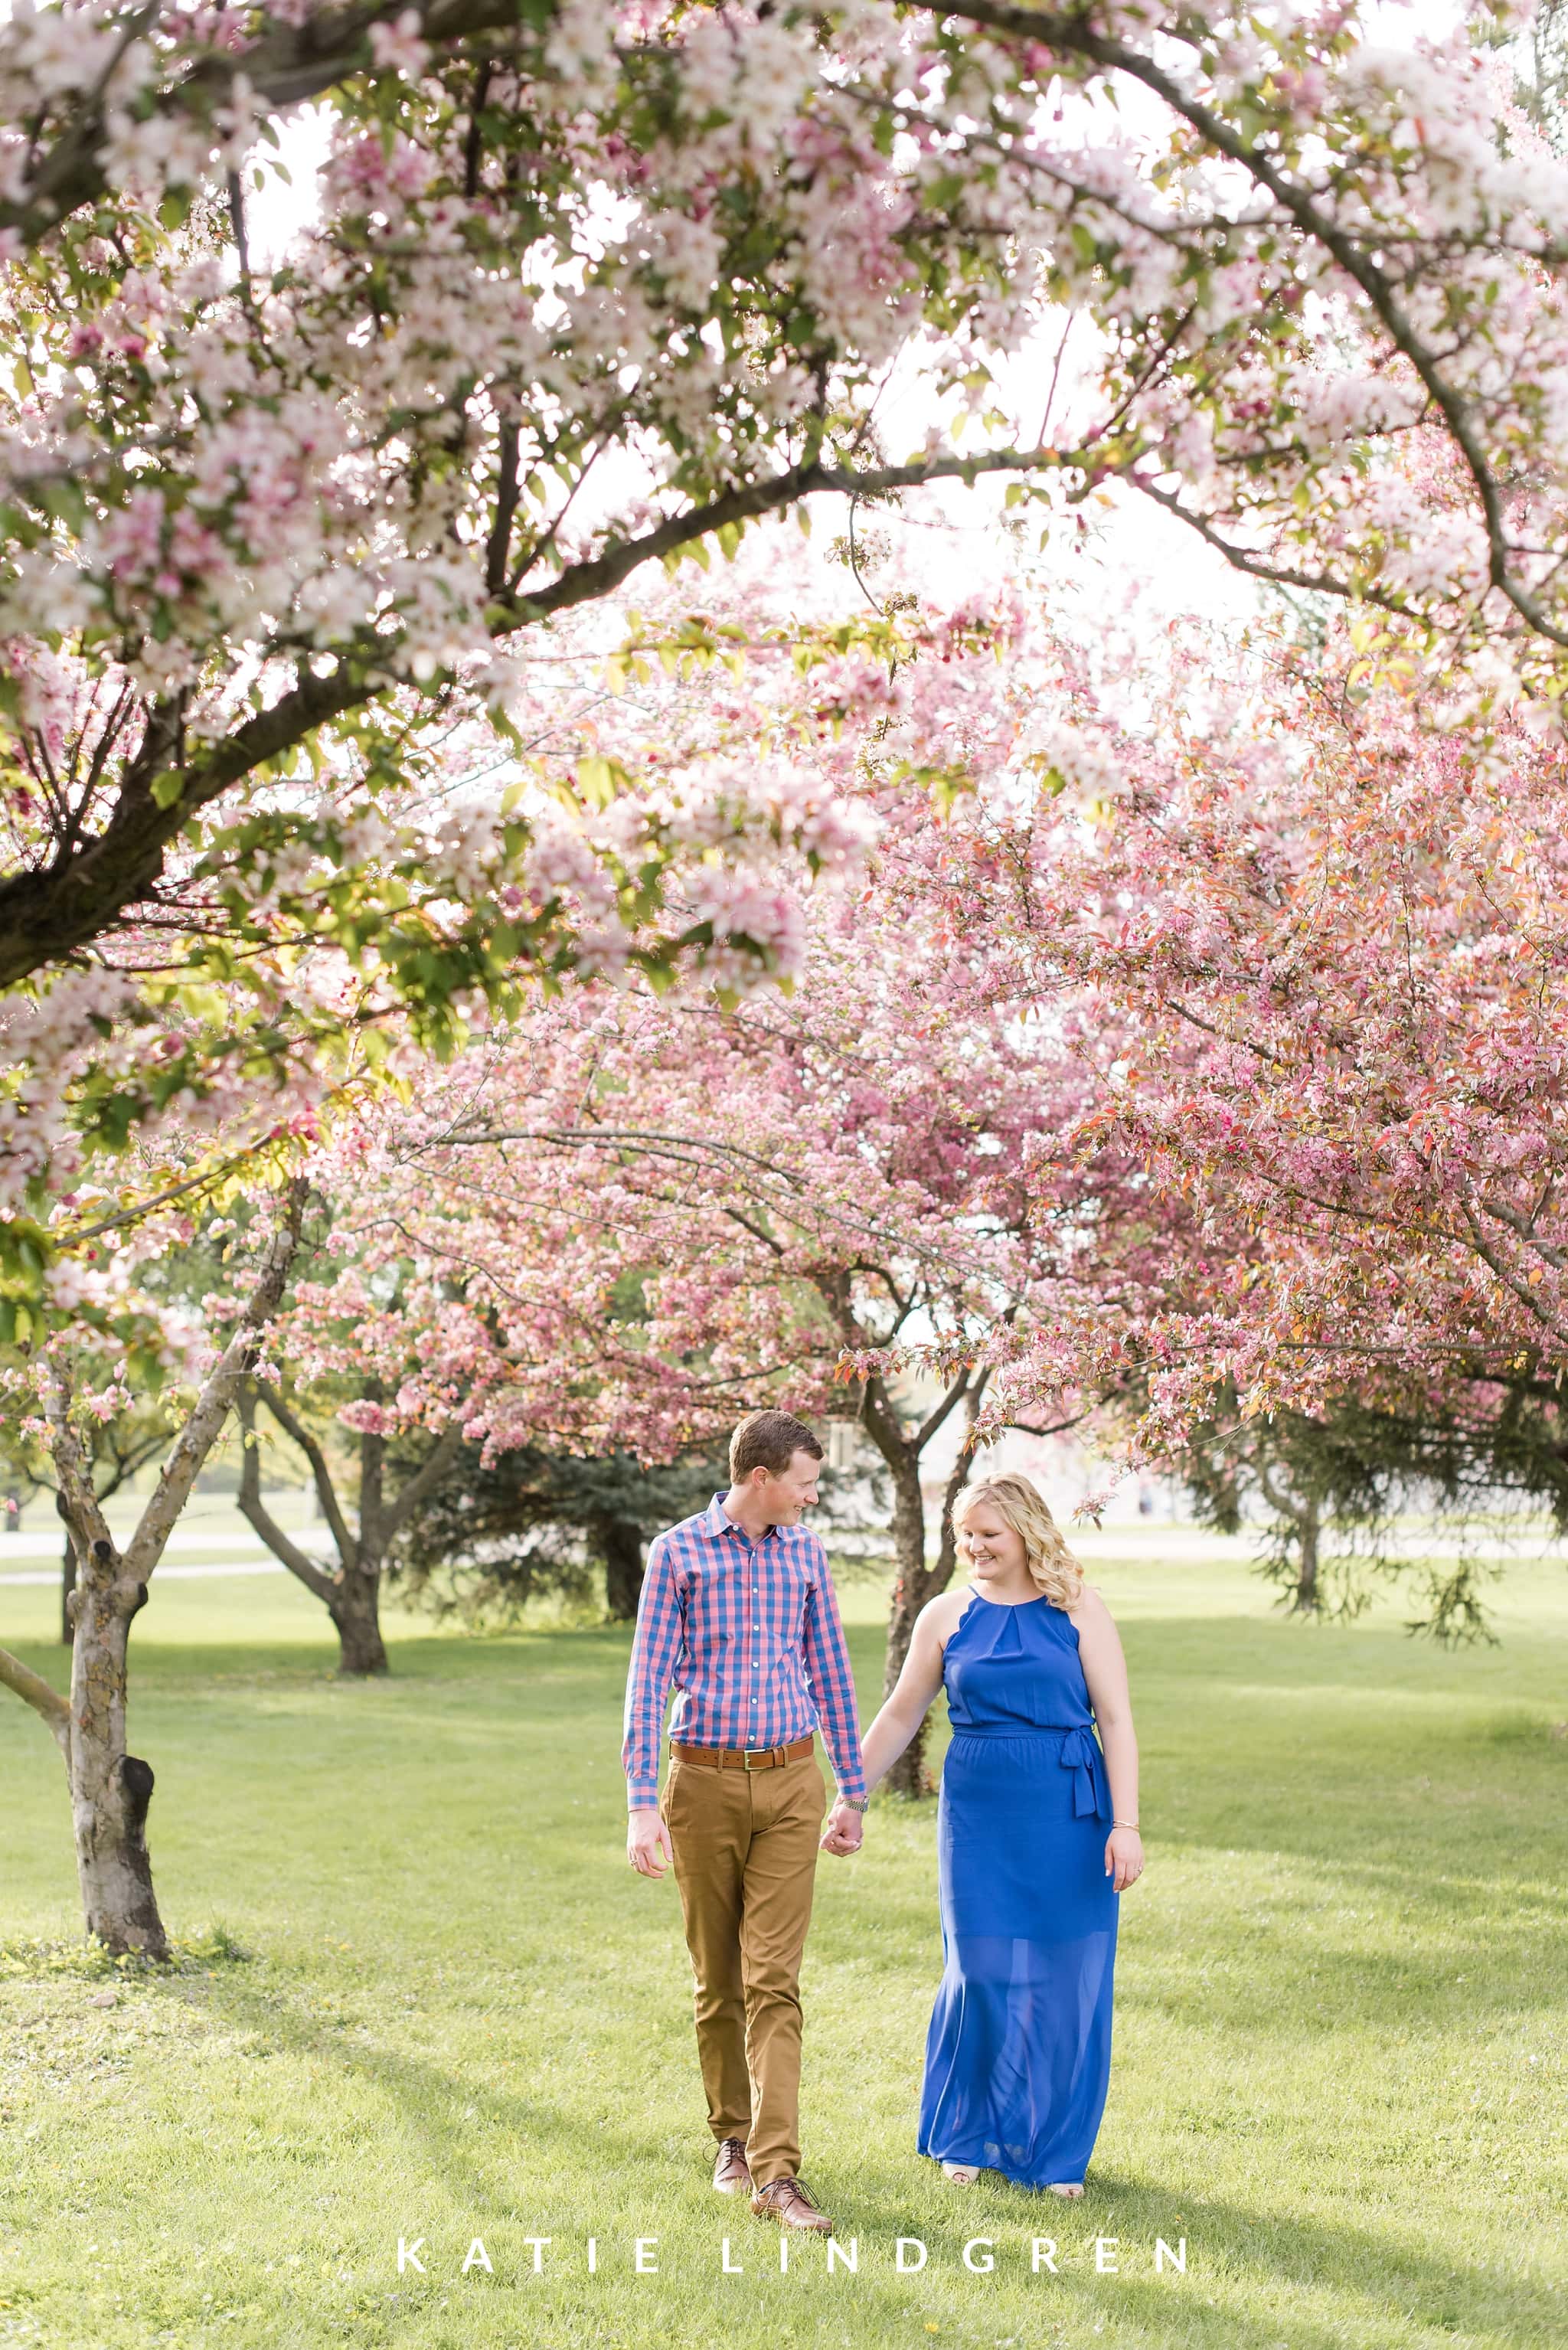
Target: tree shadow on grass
[(1237, 2257), (443, 2116), (469, 2137)]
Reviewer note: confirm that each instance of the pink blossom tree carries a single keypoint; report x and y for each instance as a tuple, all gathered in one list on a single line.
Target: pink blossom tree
[(440, 1308), (805, 1185), (223, 1025), (1305, 917), (600, 285), (438, 1319), (413, 1314), (1291, 241)]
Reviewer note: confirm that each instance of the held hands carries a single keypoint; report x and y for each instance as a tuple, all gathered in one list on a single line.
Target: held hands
[(845, 1827), (647, 1842), (1124, 1857), (648, 1838)]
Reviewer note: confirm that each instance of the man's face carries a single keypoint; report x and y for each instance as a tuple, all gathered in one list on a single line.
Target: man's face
[(793, 1492)]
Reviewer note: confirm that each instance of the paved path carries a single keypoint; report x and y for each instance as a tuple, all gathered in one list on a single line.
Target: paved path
[(165, 1573), (49, 1535)]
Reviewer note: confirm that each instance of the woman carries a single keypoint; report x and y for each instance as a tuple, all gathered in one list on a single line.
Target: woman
[(1033, 1846)]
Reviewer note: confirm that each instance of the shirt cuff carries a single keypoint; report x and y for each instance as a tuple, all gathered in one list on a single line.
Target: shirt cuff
[(853, 1783), (641, 1794)]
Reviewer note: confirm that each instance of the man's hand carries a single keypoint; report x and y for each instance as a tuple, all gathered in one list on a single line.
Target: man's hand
[(647, 1841), (845, 1827)]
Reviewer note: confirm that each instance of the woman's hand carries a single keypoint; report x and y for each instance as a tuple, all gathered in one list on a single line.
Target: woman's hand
[(1124, 1857)]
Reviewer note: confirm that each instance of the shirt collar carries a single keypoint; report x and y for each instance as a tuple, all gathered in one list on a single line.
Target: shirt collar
[(719, 1523)]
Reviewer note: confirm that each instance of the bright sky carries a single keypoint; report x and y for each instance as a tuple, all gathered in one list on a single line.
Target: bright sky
[(946, 538)]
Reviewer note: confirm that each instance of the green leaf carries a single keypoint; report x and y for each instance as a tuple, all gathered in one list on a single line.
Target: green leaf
[(167, 786)]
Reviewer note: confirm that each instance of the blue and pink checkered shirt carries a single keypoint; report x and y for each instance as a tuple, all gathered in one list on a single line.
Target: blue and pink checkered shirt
[(750, 1634)]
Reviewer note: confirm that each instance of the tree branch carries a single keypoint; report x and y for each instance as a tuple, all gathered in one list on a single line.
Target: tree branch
[(213, 1404), (1525, 1228), (83, 1515), (928, 1427), (878, 1415), (289, 65), (957, 1478), (1259, 567), (737, 1216), (425, 1481), (320, 1469), (45, 1700), (45, 915), (251, 1507), (1509, 1280), (1077, 37)]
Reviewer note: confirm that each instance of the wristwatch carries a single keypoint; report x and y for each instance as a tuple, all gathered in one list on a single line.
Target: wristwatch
[(856, 1803)]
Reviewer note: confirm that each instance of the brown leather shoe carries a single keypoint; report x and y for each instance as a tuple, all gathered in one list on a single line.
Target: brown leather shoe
[(730, 2175), (788, 2201)]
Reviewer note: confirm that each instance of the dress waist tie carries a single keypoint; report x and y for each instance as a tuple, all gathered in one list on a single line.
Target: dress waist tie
[(1081, 1754)]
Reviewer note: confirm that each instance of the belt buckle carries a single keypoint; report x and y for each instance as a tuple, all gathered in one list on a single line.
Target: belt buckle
[(747, 1752)]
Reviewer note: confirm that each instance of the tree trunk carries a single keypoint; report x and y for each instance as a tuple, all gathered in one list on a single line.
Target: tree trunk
[(110, 1789), (901, 1448), (917, 1583), (911, 1589), (356, 1610), (352, 1596), (357, 1606), (621, 1539), (1305, 1600), (68, 1590)]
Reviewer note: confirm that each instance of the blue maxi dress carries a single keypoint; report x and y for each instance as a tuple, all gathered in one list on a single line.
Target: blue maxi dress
[(1018, 2055)]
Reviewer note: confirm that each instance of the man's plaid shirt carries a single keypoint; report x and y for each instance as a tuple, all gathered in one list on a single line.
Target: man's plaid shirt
[(750, 1636)]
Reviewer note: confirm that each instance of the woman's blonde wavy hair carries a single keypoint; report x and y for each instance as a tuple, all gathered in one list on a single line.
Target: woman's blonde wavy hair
[(1050, 1563)]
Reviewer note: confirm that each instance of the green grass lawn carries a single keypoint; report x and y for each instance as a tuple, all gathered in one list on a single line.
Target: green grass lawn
[(1339, 2049)]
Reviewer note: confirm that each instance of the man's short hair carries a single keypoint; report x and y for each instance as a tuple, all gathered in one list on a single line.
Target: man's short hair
[(770, 1441)]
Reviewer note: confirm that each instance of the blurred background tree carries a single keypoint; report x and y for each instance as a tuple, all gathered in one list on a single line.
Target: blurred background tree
[(537, 1523), (541, 1524), (1324, 1495)]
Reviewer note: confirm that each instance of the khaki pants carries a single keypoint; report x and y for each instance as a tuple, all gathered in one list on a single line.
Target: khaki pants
[(744, 1846)]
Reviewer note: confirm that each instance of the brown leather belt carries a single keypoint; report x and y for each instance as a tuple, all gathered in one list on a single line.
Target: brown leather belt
[(748, 1758)]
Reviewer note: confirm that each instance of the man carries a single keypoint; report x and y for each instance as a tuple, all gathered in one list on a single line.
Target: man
[(738, 1612)]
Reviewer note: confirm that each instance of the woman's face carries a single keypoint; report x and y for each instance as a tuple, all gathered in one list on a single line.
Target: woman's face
[(993, 1549)]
